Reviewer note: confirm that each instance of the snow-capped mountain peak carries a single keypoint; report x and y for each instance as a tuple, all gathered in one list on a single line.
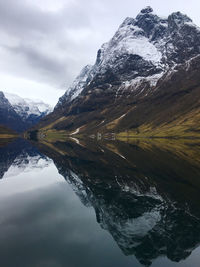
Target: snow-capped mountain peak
[(142, 48)]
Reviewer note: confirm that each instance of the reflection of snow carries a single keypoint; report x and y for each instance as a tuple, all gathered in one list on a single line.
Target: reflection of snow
[(142, 225), (26, 164), (78, 187), (75, 132), (76, 140)]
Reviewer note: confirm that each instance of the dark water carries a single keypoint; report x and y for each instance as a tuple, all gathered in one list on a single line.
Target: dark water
[(103, 204)]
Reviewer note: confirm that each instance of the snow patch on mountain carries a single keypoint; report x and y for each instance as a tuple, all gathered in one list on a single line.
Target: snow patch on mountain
[(152, 80), (129, 39)]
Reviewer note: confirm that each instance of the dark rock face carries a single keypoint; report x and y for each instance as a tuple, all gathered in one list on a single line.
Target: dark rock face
[(147, 21)]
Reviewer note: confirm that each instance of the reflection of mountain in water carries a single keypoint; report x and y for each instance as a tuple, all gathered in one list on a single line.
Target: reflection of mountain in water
[(146, 197), (19, 156)]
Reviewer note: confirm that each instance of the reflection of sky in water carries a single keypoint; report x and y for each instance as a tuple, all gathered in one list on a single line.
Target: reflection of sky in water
[(31, 177), (44, 224), (27, 164)]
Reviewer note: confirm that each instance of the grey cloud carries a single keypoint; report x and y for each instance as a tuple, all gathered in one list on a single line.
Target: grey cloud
[(19, 17), (51, 47), (35, 30), (39, 61)]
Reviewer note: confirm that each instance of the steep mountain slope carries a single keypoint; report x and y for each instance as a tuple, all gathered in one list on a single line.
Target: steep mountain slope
[(77, 86), (20, 114), (145, 81)]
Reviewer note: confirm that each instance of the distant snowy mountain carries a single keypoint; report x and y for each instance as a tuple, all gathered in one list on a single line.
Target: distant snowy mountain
[(20, 114), (26, 107)]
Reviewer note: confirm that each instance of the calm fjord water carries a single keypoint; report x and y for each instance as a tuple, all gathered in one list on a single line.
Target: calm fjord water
[(99, 204)]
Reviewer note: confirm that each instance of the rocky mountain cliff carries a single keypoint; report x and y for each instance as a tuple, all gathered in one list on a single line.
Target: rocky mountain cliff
[(20, 114), (144, 79)]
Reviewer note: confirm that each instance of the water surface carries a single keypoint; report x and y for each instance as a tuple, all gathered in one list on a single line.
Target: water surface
[(102, 204)]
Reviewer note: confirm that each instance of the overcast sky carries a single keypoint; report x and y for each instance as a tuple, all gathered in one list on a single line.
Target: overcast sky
[(45, 43)]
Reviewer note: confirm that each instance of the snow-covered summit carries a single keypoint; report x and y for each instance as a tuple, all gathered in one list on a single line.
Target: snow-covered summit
[(142, 47)]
